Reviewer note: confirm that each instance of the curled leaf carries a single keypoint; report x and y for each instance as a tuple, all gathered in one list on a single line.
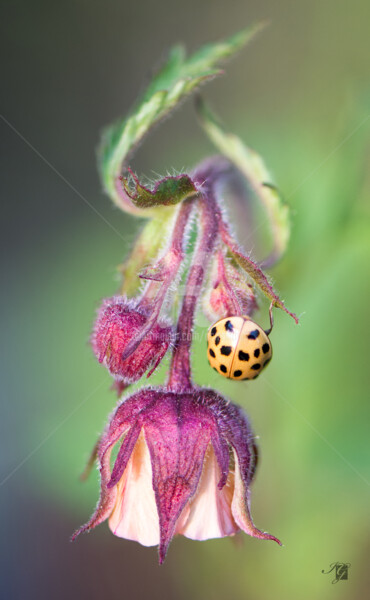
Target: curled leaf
[(178, 77), (254, 169)]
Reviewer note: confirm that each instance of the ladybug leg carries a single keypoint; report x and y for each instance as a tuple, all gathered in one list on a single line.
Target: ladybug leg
[(268, 331)]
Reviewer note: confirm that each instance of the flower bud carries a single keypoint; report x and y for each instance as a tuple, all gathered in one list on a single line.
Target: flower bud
[(119, 322), (228, 293)]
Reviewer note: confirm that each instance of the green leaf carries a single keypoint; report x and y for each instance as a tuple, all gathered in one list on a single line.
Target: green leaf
[(146, 248), (178, 77), (254, 169), (166, 192)]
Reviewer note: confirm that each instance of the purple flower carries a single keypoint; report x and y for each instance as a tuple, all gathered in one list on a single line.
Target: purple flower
[(185, 466)]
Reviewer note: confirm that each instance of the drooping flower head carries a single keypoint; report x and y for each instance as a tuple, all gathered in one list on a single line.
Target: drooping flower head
[(185, 465)]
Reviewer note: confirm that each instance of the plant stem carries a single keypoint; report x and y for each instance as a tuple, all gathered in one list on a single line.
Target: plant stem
[(180, 371)]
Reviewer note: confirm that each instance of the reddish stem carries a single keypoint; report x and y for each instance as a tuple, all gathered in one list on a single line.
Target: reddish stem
[(171, 261), (180, 372)]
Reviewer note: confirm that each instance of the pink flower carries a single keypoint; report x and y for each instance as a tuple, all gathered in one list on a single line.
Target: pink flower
[(119, 322), (185, 466)]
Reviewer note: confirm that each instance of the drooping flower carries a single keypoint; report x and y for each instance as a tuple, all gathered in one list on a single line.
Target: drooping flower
[(119, 321), (185, 466)]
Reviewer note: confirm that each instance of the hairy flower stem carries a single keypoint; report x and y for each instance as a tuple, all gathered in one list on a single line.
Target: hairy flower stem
[(171, 263), (180, 372), (172, 260)]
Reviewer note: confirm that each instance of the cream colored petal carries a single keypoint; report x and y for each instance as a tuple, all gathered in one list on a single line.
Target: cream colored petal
[(135, 515), (208, 514), (240, 507)]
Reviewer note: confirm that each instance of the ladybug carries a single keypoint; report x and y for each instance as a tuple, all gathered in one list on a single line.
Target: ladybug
[(238, 348)]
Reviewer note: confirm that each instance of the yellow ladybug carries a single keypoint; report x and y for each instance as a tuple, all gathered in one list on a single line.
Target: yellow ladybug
[(238, 348)]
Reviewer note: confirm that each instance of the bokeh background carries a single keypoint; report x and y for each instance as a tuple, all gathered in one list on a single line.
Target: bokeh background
[(299, 94)]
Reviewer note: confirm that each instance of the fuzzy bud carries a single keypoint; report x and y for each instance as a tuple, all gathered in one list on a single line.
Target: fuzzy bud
[(119, 322)]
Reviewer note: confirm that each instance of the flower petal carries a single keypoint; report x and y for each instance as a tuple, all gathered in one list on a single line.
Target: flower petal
[(208, 514), (135, 515), (240, 507)]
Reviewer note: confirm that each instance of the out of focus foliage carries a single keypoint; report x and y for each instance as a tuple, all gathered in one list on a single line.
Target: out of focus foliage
[(299, 96)]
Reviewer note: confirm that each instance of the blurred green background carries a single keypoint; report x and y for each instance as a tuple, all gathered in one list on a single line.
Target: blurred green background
[(299, 94)]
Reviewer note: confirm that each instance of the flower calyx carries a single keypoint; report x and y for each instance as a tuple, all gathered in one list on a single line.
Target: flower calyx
[(185, 465)]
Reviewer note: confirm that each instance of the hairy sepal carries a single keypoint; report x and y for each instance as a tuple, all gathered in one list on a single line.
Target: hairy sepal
[(229, 293), (166, 192), (253, 270)]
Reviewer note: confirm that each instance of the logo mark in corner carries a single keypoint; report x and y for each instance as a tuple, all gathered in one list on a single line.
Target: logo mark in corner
[(340, 571)]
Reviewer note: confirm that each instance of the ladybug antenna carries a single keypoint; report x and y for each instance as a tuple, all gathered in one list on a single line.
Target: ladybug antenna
[(268, 331)]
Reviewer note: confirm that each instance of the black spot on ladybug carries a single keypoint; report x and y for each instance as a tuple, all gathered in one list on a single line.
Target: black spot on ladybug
[(266, 362), (223, 368), (243, 355), (212, 353), (255, 377), (226, 350), (256, 366), (265, 348), (244, 378), (213, 331), (253, 334), (217, 340), (257, 352), (229, 326), (215, 369), (238, 373)]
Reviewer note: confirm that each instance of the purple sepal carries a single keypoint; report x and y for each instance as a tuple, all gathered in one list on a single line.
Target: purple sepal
[(178, 429)]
